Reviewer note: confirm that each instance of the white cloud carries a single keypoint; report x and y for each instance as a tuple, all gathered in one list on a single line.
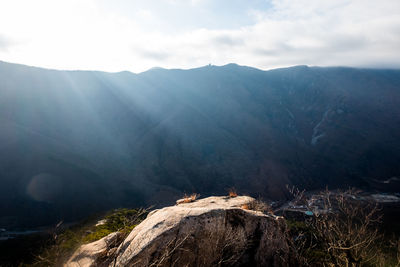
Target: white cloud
[(4, 43), (83, 35)]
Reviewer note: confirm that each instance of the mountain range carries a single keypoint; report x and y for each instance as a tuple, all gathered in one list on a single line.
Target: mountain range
[(79, 142)]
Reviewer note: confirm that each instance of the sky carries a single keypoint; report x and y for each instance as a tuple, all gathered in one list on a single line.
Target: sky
[(136, 35)]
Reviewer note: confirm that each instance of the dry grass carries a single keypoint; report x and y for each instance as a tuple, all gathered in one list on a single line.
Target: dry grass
[(190, 198), (232, 192), (245, 207), (257, 205)]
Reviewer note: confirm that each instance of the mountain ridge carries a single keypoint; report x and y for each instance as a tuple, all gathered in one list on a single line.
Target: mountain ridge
[(201, 67)]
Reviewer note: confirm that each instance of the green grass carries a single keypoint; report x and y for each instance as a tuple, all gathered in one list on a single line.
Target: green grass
[(60, 249), (122, 220)]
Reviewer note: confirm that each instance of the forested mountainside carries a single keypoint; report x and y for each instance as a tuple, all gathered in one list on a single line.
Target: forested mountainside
[(76, 142)]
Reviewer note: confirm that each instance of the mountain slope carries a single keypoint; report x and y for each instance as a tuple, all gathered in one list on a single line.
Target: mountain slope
[(74, 142)]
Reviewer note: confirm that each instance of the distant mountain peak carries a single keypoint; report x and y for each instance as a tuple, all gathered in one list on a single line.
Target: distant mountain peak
[(157, 68)]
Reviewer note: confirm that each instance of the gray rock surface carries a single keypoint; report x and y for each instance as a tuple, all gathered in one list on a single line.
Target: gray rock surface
[(215, 231), (96, 253)]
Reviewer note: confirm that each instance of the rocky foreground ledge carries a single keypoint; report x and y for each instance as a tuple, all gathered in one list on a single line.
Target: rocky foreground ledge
[(214, 231)]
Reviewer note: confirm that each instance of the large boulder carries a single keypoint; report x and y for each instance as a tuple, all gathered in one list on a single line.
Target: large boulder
[(215, 231), (98, 253)]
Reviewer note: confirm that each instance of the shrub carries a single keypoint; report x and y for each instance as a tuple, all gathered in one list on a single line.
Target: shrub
[(66, 242), (232, 192), (343, 230), (191, 198)]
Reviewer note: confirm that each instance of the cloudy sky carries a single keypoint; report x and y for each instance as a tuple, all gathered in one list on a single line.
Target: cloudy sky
[(135, 35)]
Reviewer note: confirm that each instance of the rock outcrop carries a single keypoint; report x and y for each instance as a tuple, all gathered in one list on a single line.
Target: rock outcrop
[(97, 253), (215, 231)]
